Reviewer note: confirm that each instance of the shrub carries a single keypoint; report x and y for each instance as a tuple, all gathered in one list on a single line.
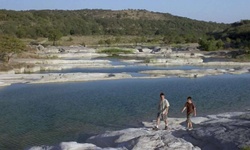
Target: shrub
[(116, 51)]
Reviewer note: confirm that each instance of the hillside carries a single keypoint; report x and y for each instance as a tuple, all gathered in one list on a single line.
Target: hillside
[(39, 23), (237, 35)]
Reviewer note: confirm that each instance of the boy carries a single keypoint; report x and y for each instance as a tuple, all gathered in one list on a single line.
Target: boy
[(190, 109), (163, 112)]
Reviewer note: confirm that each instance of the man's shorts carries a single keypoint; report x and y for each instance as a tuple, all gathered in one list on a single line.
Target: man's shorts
[(162, 116)]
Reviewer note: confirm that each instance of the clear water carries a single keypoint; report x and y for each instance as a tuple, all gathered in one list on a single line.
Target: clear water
[(46, 114)]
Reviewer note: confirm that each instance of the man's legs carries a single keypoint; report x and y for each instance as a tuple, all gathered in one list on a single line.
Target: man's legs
[(158, 119), (166, 124), (165, 117)]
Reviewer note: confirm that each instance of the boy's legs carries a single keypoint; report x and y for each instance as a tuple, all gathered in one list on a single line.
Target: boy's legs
[(188, 121)]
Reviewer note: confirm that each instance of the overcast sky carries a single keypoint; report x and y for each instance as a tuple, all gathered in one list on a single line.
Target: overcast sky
[(226, 11)]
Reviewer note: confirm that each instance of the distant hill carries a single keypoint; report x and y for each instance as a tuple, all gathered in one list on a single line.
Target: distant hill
[(39, 23), (237, 35)]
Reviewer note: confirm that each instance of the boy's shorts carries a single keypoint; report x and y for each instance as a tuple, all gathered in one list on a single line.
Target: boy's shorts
[(188, 117)]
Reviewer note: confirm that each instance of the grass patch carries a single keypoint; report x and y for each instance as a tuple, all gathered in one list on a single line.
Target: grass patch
[(11, 66), (244, 58), (116, 51), (246, 148)]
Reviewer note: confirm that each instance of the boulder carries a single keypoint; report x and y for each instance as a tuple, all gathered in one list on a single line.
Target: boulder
[(40, 47)]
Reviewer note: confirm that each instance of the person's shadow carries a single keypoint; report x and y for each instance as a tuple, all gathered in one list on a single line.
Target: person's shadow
[(199, 136)]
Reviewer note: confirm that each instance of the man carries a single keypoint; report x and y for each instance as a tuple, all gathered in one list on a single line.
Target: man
[(190, 110), (163, 112)]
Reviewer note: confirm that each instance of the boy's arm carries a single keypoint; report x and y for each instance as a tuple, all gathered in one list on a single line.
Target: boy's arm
[(183, 109), (194, 111)]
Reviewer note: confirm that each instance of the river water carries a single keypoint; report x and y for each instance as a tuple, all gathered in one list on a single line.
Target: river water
[(47, 114)]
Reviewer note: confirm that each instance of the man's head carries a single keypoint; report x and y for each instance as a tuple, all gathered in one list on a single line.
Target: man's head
[(189, 98), (162, 96)]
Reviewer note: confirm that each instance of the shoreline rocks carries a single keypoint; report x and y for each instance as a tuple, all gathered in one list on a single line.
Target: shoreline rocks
[(218, 132), (11, 77), (58, 77), (70, 59), (194, 73)]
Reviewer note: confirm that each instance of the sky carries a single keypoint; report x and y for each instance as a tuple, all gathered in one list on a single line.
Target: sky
[(226, 11)]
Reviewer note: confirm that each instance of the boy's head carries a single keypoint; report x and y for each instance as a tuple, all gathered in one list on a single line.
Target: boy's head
[(189, 98), (162, 95)]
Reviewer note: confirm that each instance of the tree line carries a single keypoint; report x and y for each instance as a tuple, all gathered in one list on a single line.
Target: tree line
[(236, 36), (149, 27), (41, 23)]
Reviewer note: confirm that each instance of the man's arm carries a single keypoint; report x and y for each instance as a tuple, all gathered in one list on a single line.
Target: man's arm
[(165, 109)]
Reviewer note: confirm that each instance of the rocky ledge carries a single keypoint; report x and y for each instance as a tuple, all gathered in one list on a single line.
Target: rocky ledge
[(195, 73), (8, 79), (228, 131)]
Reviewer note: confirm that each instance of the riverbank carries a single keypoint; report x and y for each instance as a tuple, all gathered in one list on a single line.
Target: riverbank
[(58, 77), (81, 57), (218, 132), (10, 78)]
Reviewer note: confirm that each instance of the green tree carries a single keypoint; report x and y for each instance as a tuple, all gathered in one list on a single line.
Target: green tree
[(220, 44), (72, 32), (9, 46), (208, 45), (54, 35)]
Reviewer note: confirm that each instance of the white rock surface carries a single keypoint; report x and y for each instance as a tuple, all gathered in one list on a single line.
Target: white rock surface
[(210, 132), (177, 61), (8, 79), (61, 61), (194, 73)]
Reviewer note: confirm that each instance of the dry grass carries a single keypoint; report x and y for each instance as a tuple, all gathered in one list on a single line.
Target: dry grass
[(12, 65), (38, 41), (243, 58), (92, 40)]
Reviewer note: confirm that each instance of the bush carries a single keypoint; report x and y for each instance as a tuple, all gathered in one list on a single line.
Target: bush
[(211, 44), (9, 46), (116, 51), (70, 39), (246, 148)]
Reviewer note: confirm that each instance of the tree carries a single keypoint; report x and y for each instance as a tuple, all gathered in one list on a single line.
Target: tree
[(9, 46), (54, 35), (209, 45), (220, 44), (72, 32)]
